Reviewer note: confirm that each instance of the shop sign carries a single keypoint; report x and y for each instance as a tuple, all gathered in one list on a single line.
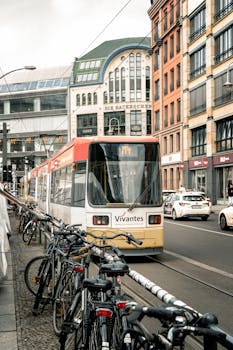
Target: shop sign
[(198, 163), (223, 159), (182, 166), (171, 159)]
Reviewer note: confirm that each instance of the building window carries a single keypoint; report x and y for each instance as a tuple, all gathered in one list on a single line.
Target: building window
[(171, 46), (117, 85), (156, 56), (222, 7), (165, 116), (29, 144), (177, 142), (171, 178), (197, 24), (114, 123), (111, 93), (165, 48), (224, 137), (157, 120), (105, 97), (165, 20), (157, 87), (147, 83), (138, 77), (156, 31), (165, 178), (197, 63), (95, 98), (165, 145), (177, 9), (135, 123), (172, 79), (178, 110), (222, 94), (165, 84), (171, 143), (178, 75), (52, 102), (123, 84), (1, 107), (148, 122), (198, 100), (89, 98), (172, 110), (16, 145), (83, 99), (171, 13), (199, 141), (78, 100), (19, 105), (224, 45), (87, 124), (178, 41)]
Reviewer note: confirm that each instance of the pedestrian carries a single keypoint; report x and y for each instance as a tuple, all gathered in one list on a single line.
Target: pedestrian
[(230, 193), (182, 188)]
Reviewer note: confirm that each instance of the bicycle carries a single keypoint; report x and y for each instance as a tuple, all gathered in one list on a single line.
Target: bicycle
[(177, 324), (91, 326)]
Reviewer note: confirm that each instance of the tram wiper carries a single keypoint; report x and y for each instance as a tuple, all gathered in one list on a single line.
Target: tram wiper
[(140, 196)]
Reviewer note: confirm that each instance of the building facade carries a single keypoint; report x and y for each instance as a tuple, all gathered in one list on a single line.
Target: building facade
[(33, 117), (206, 94), (110, 93), (166, 86)]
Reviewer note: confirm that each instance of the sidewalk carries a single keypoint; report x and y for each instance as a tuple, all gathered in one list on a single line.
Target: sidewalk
[(8, 333)]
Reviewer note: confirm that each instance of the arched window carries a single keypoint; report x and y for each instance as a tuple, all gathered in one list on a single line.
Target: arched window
[(78, 100), (117, 86), (122, 84), (147, 83), (83, 99), (95, 98), (111, 87), (105, 97), (89, 98)]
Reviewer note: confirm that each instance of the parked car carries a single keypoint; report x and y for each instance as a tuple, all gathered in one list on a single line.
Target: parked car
[(225, 218), (186, 204), (166, 193)]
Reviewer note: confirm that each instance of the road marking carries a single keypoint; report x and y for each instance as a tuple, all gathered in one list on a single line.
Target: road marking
[(199, 264), (199, 228)]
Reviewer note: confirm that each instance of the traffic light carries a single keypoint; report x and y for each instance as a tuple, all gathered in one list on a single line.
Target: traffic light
[(7, 173), (4, 173)]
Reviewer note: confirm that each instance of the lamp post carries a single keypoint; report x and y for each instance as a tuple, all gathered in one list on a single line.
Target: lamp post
[(4, 135)]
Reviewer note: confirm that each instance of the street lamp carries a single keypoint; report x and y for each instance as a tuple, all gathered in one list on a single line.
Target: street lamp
[(4, 141), (14, 70), (228, 83)]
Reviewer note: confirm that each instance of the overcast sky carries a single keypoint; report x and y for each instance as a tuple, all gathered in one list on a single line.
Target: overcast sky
[(48, 33)]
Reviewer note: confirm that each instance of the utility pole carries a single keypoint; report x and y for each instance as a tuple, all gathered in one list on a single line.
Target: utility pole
[(4, 144)]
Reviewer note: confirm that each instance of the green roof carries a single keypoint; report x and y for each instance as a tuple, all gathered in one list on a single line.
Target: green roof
[(93, 62)]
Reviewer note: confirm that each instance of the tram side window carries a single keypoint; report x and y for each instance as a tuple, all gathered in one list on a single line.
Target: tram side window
[(79, 185), (42, 188), (61, 186)]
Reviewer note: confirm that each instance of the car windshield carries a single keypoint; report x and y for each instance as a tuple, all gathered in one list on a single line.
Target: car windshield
[(193, 198)]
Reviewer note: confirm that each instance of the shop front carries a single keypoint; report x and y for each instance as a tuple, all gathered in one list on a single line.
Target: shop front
[(223, 167), (198, 174)]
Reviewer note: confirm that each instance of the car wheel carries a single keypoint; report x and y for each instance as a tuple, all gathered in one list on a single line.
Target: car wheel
[(174, 216), (223, 222), (204, 218)]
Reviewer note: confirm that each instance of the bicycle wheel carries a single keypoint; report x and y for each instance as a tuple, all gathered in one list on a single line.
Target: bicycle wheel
[(63, 298), (33, 272), (43, 294)]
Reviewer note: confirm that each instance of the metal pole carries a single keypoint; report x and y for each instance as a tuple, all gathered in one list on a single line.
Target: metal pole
[(4, 144)]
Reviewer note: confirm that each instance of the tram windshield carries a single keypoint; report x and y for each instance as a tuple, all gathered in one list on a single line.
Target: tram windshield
[(124, 174)]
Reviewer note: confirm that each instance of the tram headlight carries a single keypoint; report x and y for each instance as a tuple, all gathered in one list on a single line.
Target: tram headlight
[(100, 220), (154, 219)]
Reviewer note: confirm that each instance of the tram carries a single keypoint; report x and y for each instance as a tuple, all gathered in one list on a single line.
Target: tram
[(107, 184)]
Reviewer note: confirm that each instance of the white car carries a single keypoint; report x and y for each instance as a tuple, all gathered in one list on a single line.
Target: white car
[(225, 218), (186, 204)]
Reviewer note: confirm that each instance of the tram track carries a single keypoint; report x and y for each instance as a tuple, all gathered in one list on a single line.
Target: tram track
[(191, 277)]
